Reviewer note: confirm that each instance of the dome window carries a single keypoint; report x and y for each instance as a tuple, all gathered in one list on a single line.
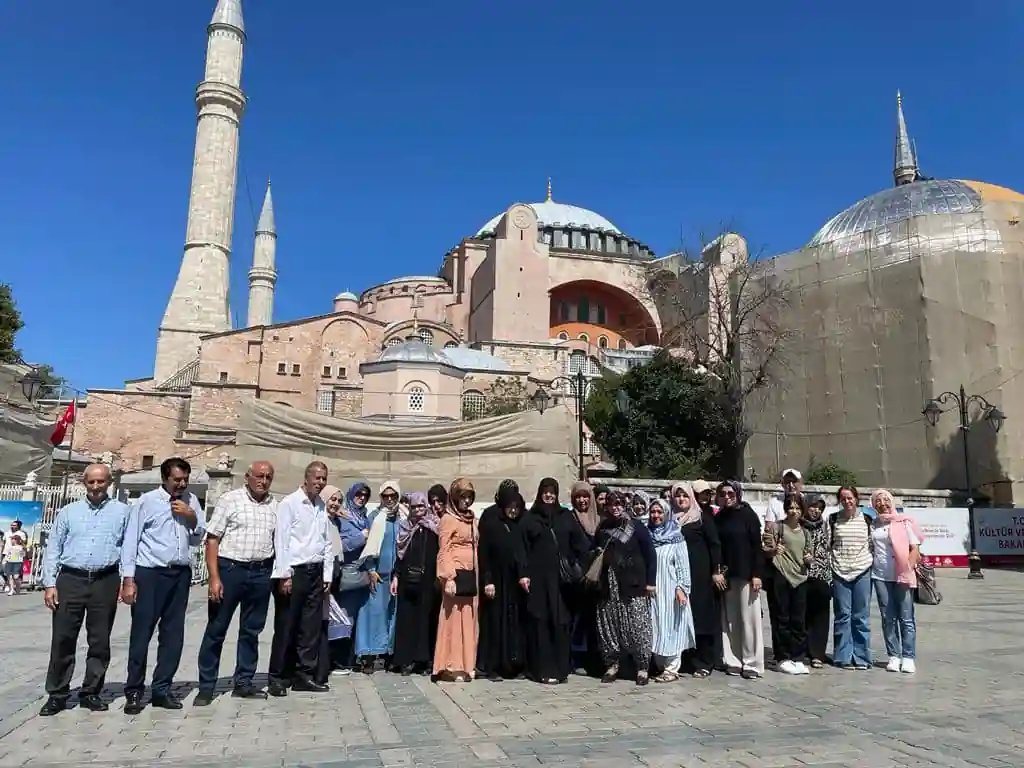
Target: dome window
[(426, 336), (563, 336), (450, 345), (622, 344), (393, 342), (584, 337)]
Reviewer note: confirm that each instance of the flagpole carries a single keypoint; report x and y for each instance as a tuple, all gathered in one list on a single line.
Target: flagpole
[(67, 469)]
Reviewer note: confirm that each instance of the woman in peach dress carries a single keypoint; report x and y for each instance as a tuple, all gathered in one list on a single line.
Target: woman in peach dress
[(455, 654)]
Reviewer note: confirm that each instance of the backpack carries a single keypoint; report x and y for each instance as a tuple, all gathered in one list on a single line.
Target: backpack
[(927, 592)]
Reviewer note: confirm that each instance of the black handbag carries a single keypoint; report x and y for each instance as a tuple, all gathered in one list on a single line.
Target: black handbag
[(569, 570), (465, 580)]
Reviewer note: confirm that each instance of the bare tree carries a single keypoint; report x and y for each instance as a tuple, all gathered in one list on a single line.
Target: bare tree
[(723, 308)]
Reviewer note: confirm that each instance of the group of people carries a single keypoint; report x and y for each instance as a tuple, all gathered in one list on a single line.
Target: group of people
[(609, 584)]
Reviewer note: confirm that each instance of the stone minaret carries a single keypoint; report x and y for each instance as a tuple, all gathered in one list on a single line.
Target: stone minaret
[(199, 301), (263, 275), (905, 168)]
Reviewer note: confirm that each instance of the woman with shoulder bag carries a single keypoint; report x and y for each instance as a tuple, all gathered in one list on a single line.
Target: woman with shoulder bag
[(352, 586), (414, 583), (455, 654)]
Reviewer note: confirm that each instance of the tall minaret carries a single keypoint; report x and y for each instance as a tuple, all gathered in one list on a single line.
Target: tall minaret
[(905, 168), (263, 274), (199, 301)]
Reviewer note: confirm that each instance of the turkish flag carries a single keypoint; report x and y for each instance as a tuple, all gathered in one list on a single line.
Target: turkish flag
[(61, 430)]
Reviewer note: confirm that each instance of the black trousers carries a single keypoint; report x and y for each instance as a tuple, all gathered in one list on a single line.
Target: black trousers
[(246, 589), (161, 600), (791, 604), (298, 625), (768, 585), (94, 602), (818, 617)]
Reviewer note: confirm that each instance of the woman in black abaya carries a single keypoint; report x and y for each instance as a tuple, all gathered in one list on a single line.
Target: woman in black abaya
[(501, 651), (549, 533)]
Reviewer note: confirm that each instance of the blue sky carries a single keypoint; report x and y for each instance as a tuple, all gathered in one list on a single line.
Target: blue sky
[(393, 130)]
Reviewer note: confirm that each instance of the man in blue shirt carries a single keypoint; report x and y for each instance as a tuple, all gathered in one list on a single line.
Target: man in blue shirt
[(156, 573), (80, 568)]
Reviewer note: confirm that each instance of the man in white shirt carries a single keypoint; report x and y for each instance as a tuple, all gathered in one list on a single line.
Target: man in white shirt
[(303, 568)]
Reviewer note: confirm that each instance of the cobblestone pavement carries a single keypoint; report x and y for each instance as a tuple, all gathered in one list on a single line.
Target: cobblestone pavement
[(965, 707)]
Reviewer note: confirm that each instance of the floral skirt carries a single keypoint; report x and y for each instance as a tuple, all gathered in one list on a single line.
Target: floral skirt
[(624, 627)]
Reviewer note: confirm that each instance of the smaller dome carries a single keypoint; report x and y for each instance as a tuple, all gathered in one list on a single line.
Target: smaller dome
[(414, 351), (346, 296)]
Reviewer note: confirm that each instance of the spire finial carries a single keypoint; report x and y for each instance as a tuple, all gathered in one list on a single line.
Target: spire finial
[(549, 189), (905, 169), (415, 321), (266, 221)]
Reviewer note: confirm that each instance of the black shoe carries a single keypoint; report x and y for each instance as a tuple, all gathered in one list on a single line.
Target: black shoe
[(203, 699), (166, 701), (407, 670), (277, 689), (309, 686), (248, 692), (92, 702), (133, 703), (53, 706)]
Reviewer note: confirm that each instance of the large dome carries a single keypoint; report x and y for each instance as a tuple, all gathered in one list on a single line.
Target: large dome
[(549, 212), (413, 351)]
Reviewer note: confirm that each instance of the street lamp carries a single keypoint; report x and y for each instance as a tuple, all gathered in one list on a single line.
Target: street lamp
[(541, 398), (31, 383), (963, 402)]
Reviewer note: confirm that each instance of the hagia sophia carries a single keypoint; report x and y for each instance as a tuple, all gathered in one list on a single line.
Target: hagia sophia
[(912, 291)]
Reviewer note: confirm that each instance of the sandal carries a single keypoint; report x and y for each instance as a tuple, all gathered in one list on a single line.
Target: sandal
[(611, 674), (666, 677), (701, 673), (642, 679), (817, 664)]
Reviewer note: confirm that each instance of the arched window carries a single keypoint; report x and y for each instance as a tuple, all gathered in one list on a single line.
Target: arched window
[(602, 316), (583, 310), (394, 342), (602, 342), (473, 403), (593, 368), (563, 336), (417, 399), (577, 363), (622, 344), (584, 337), (450, 345), (563, 311), (427, 336)]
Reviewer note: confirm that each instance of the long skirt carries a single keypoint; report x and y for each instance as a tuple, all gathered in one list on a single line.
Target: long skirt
[(455, 653), (624, 627)]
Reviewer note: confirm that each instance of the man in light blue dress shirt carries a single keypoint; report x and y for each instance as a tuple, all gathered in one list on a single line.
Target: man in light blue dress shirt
[(80, 567), (156, 574)]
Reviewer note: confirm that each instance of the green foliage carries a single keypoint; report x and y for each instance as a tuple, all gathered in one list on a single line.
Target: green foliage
[(505, 396), (829, 473), (675, 424), (10, 324)]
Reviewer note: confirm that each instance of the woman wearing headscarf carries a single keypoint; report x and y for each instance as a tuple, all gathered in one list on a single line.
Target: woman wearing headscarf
[(414, 583), (819, 583), (375, 626), (353, 526), (739, 530), (583, 519), (704, 550), (501, 652), (628, 571), (549, 535), (335, 640), (670, 608), (437, 499), (455, 655), (641, 503)]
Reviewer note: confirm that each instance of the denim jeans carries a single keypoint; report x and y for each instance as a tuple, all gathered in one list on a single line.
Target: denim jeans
[(896, 606), (246, 587), (851, 627)]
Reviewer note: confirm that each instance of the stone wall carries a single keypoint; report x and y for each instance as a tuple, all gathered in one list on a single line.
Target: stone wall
[(130, 425)]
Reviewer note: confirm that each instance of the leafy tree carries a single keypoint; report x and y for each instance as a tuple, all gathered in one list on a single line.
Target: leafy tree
[(829, 473), (664, 419), (504, 396), (10, 324)]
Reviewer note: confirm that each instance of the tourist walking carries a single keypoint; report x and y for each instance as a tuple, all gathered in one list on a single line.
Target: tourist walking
[(414, 584), (627, 581), (156, 573), (240, 558), (455, 655), (501, 651), (697, 525), (375, 624), (851, 559), (80, 582), (897, 551), (303, 570), (819, 583), (671, 617), (739, 531), (790, 553), (551, 537)]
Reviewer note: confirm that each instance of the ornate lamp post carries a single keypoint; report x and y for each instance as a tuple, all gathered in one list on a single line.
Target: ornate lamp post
[(31, 383), (541, 398), (963, 402)]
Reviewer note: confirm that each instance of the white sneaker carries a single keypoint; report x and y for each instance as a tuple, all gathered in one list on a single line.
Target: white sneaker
[(908, 666), (341, 672), (789, 668), (801, 668), (893, 665)]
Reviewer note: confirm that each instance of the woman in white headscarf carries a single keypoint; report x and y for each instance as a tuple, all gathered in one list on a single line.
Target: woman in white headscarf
[(375, 625)]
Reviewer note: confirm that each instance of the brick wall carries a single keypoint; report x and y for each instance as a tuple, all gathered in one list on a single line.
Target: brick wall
[(130, 425)]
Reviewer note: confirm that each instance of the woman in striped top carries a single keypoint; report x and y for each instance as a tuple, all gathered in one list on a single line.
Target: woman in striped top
[(670, 608), (851, 559)]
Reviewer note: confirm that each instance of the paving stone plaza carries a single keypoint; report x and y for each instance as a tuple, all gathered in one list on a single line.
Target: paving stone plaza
[(965, 707)]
